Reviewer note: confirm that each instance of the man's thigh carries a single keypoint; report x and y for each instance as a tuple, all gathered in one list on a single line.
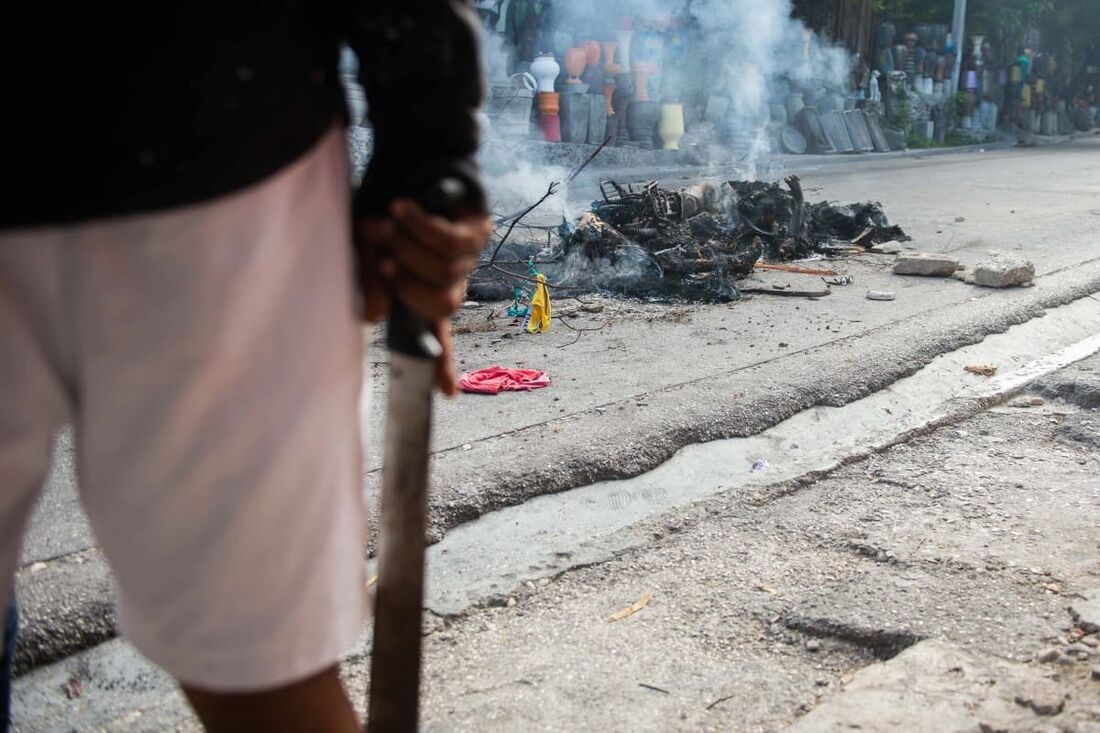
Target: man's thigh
[(219, 364)]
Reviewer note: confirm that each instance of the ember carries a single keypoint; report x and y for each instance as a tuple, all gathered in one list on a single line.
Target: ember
[(695, 242)]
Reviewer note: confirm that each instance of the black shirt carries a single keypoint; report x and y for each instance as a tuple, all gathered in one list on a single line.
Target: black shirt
[(134, 106)]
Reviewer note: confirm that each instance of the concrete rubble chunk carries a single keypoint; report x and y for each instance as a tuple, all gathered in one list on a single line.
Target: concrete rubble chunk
[(1086, 612), (926, 265), (1004, 270), (892, 247), (936, 686)]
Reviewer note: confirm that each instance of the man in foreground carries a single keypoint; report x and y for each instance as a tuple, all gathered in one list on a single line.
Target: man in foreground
[(177, 281)]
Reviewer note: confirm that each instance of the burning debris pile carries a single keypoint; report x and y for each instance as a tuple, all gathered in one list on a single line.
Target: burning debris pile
[(694, 243)]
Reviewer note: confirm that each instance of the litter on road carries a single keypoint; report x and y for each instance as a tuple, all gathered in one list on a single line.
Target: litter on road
[(496, 379), (631, 609)]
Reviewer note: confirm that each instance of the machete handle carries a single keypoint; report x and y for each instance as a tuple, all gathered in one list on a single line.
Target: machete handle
[(409, 333)]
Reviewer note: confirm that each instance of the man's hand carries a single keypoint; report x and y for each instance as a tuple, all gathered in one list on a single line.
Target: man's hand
[(423, 260)]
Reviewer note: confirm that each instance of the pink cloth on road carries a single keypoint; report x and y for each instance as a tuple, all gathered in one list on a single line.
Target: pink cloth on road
[(497, 379)]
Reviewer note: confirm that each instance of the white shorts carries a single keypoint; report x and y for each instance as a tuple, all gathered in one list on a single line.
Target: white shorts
[(209, 360)]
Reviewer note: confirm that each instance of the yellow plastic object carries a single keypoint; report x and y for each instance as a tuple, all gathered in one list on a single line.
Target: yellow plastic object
[(540, 308)]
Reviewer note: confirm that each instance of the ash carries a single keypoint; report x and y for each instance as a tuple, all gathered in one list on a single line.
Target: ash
[(693, 243)]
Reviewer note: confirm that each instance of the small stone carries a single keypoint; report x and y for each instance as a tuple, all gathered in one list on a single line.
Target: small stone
[(1042, 704), (926, 265), (1050, 655), (885, 295), (511, 601), (1096, 672), (1087, 611), (813, 645), (888, 248), (1004, 270), (821, 682), (960, 219), (1027, 401), (1090, 641), (1078, 650)]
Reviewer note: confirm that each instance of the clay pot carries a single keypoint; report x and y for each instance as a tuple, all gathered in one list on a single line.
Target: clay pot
[(609, 56), (597, 119), (549, 103), (575, 62), (671, 125), (592, 53), (550, 128), (574, 117), (641, 120), (642, 72), (795, 104), (545, 70)]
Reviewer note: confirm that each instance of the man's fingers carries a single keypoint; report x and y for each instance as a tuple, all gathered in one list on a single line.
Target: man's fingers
[(431, 268), (447, 375), (431, 302), (377, 231), (447, 238)]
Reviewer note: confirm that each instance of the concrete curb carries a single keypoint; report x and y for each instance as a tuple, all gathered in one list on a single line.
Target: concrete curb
[(629, 437)]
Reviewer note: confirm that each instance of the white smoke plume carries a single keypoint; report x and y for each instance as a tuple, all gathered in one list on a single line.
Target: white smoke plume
[(750, 52)]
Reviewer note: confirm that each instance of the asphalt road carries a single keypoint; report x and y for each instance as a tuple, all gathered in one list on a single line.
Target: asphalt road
[(948, 581), (625, 398)]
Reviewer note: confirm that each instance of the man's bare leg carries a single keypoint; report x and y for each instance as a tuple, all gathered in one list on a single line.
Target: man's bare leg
[(315, 705)]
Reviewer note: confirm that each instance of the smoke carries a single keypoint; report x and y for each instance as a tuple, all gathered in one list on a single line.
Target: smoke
[(749, 52)]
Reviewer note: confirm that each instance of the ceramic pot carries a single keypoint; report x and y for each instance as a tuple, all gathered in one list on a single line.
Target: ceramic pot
[(545, 70), (549, 103), (977, 41), (641, 120), (575, 62), (671, 125), (592, 53), (795, 104), (550, 128), (642, 72), (509, 106), (574, 117), (609, 56), (597, 119)]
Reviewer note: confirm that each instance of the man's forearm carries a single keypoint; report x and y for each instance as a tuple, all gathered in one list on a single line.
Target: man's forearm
[(420, 66)]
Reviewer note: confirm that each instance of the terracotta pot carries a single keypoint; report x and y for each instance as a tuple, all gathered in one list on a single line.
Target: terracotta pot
[(575, 62), (545, 70), (574, 117), (592, 52), (609, 56), (597, 119), (641, 121), (550, 128), (642, 72), (549, 103), (671, 125)]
